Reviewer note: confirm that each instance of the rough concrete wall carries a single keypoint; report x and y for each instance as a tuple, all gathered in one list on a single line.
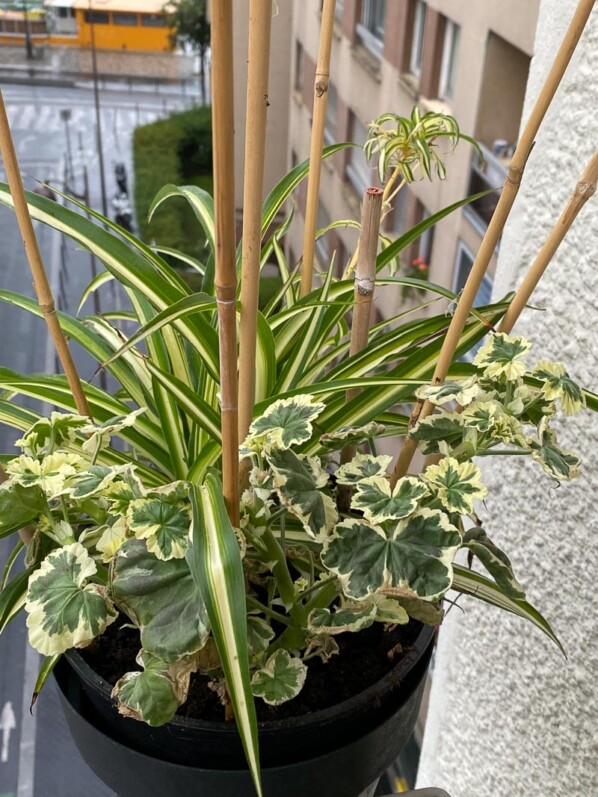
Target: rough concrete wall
[(509, 716)]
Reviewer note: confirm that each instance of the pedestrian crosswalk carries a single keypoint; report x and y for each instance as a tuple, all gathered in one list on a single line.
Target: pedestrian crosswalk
[(28, 118)]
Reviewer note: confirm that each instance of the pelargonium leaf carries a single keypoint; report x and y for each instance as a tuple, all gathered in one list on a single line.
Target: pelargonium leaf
[(94, 480), (100, 434), (495, 561), (463, 392), (354, 617), (502, 356), (379, 502), (362, 466), (351, 435), (164, 525), (162, 599), (482, 415), (300, 492), (456, 484), (414, 557), (64, 611), (48, 434), (286, 422), (51, 473), (113, 536), (19, 505), (280, 679), (557, 384), (444, 427), (259, 635), (154, 694), (555, 461)]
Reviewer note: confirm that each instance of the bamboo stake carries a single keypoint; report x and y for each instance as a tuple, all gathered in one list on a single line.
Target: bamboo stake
[(226, 277), (365, 283), (584, 189), (317, 142), (260, 24), (41, 283), (497, 223)]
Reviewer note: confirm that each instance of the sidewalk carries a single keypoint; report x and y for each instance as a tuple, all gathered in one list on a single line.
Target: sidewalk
[(71, 61)]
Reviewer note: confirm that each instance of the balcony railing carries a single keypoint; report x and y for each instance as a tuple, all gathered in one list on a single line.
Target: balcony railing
[(491, 174)]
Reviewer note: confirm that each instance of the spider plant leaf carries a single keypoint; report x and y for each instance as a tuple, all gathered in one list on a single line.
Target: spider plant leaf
[(215, 561)]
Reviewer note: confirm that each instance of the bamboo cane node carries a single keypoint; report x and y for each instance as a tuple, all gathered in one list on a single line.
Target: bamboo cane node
[(321, 85), (365, 285), (515, 175), (585, 188), (226, 301), (47, 308)]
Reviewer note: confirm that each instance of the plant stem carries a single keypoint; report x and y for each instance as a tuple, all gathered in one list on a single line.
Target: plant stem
[(497, 223), (260, 24), (38, 272), (317, 141), (585, 188), (226, 277), (280, 618)]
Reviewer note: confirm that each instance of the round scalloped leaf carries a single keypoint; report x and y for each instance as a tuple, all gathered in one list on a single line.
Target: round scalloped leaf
[(94, 480), (164, 525), (299, 491), (557, 384), (351, 435), (64, 610), (348, 618), (100, 434), (259, 635), (463, 392), (389, 610), (456, 484), (362, 466), (47, 434), (286, 422), (51, 473), (378, 502), (482, 415), (416, 556), (433, 431), (161, 597), (555, 461), (112, 539), (280, 679), (501, 356), (496, 562)]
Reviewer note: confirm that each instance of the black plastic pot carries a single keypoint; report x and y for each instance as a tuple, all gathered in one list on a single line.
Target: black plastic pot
[(336, 752)]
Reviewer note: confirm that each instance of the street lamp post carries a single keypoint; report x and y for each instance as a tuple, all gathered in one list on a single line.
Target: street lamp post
[(96, 97), (65, 115)]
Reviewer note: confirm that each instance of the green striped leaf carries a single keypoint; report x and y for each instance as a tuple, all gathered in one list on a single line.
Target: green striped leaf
[(13, 596), (96, 283), (471, 583), (200, 201), (215, 562)]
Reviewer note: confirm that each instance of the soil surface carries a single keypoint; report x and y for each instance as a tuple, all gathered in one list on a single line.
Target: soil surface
[(364, 658)]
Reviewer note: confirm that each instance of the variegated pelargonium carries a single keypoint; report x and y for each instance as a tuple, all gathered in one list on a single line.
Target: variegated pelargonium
[(249, 607)]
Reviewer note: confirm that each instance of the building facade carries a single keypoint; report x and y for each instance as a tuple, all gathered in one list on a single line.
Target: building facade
[(470, 60)]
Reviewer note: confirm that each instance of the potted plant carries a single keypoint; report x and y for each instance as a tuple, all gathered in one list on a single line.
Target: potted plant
[(248, 574)]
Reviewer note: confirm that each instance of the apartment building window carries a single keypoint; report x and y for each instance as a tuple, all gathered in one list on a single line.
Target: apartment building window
[(463, 265), (358, 171), (417, 40), (331, 109), (299, 67), (370, 28), (450, 59), (339, 10)]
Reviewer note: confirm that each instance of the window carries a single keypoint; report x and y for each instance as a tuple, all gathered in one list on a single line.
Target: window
[(370, 29), (153, 21), (299, 67), (97, 17), (358, 172), (450, 58), (417, 42), (121, 18), (463, 266), (323, 242), (331, 106), (339, 10)]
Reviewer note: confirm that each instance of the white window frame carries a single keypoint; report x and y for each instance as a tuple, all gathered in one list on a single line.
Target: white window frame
[(417, 41), (360, 175), (330, 125), (372, 39), (450, 56)]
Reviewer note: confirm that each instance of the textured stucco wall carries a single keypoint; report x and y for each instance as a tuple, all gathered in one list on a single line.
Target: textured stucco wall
[(509, 717)]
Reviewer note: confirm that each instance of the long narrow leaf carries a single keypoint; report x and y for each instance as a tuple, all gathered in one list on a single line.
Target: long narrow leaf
[(215, 563)]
